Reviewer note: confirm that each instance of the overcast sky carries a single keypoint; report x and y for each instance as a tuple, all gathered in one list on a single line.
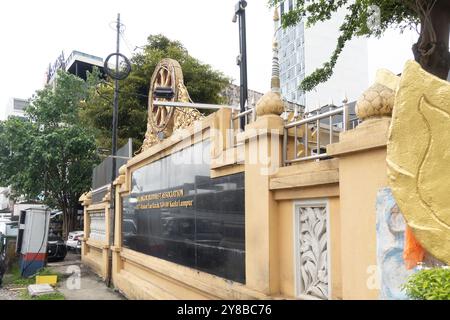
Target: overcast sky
[(34, 32)]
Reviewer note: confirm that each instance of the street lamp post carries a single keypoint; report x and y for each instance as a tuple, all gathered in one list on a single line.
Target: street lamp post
[(239, 14), (116, 106), (117, 75)]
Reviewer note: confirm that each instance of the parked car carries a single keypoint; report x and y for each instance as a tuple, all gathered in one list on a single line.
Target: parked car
[(74, 240), (56, 248)]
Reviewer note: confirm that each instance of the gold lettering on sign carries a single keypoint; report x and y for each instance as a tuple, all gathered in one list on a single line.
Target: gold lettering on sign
[(151, 201)]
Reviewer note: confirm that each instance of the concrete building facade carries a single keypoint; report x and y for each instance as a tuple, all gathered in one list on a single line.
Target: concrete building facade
[(78, 63), (16, 107), (302, 50)]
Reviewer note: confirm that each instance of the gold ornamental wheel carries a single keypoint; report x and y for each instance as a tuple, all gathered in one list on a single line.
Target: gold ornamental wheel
[(167, 74)]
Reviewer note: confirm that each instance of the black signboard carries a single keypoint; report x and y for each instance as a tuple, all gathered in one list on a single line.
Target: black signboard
[(178, 213)]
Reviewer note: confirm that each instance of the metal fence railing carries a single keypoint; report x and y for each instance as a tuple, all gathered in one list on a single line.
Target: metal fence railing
[(311, 135), (101, 175)]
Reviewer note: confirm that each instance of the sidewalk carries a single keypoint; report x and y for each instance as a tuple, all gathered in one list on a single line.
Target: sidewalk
[(91, 286)]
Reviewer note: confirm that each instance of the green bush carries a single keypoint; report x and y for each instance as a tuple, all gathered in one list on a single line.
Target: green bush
[(14, 278), (429, 284)]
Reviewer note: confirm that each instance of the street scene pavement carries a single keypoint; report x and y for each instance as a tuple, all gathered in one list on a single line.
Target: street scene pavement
[(77, 282), (91, 287)]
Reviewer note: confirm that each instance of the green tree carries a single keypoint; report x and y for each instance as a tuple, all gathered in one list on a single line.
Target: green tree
[(373, 18), (203, 83), (50, 155)]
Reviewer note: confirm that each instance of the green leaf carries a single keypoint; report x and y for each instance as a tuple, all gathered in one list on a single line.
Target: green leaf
[(429, 284)]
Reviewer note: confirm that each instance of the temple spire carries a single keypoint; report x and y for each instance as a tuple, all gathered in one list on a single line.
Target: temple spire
[(275, 81)]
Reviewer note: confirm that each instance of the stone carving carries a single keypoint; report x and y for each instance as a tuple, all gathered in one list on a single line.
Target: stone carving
[(86, 198), (390, 244), (163, 120), (270, 103), (418, 157), (122, 175), (313, 244), (376, 102)]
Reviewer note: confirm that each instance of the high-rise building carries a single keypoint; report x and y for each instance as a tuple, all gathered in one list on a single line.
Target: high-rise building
[(78, 63), (302, 50)]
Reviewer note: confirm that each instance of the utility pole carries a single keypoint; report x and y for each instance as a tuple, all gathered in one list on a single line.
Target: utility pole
[(116, 103), (115, 122), (239, 14), (121, 72)]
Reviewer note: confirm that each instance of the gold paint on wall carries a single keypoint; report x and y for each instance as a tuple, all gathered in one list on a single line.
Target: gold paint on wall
[(418, 157)]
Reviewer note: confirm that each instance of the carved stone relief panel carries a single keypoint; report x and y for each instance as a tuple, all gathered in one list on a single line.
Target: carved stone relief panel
[(311, 237)]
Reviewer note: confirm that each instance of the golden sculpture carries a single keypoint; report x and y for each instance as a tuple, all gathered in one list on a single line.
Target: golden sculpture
[(163, 120), (418, 157)]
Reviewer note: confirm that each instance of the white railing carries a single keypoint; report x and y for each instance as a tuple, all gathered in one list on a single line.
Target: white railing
[(312, 135)]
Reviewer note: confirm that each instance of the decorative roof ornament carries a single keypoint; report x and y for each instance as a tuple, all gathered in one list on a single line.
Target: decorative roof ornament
[(275, 82), (276, 17), (378, 100), (271, 103)]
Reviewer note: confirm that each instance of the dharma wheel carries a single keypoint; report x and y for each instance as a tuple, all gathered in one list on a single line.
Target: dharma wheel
[(166, 77)]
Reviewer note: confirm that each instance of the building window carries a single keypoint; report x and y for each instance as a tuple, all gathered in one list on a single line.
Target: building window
[(299, 69), (176, 212)]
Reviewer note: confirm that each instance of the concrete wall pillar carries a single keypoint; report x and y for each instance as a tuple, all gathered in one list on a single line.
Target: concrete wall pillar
[(262, 157), (362, 173), (86, 200)]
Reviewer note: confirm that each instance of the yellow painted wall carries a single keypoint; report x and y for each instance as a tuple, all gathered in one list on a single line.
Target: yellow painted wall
[(350, 182), (335, 247), (362, 173), (286, 247), (358, 220)]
